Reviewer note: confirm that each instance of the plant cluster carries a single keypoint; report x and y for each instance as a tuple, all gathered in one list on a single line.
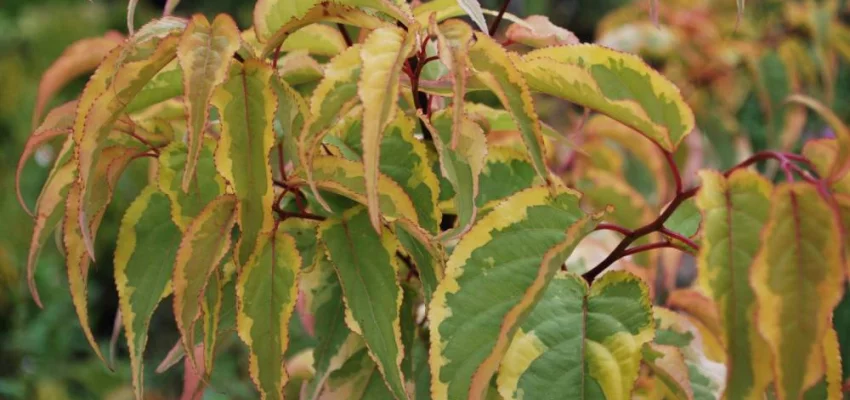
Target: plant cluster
[(329, 165)]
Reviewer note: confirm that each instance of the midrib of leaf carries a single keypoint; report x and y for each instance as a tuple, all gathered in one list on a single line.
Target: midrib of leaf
[(250, 138), (733, 298), (584, 306)]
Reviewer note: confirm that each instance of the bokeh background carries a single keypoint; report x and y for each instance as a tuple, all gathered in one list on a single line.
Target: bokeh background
[(43, 354)]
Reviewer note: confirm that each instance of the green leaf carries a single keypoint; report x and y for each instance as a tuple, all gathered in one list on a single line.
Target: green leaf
[(202, 248), (317, 39), (686, 219), (734, 213), (267, 289), (490, 285), (292, 111), (496, 68), (204, 54), (247, 106), (146, 249), (185, 206), (453, 40), (166, 84), (425, 254), (366, 264), (462, 165), (580, 342), (383, 54), (359, 378), (506, 171), (797, 279), (617, 84)]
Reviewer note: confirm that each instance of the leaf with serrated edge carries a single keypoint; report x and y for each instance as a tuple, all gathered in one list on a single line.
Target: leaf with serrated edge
[(580, 342), (540, 32), (247, 106), (617, 84), (203, 246), (317, 39), (506, 171), (453, 40), (185, 206), (383, 55), (146, 248), (797, 280), (204, 54), (466, 348), (272, 15), (497, 69), (366, 265), (267, 289)]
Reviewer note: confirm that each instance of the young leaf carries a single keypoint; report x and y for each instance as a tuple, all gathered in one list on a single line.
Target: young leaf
[(797, 279), (617, 84), (203, 246), (185, 206), (490, 286), (497, 69), (247, 106), (204, 54), (267, 290), (734, 214), (540, 32), (146, 248), (367, 267), (383, 55), (473, 9), (462, 165), (580, 342), (80, 57)]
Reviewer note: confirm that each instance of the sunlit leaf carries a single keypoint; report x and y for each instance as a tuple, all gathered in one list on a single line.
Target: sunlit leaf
[(204, 54), (146, 248), (580, 342), (383, 55), (318, 39), (267, 290), (540, 32), (247, 105), (367, 267), (471, 321), (797, 280), (617, 84)]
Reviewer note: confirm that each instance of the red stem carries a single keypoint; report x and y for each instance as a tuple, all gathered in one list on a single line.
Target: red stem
[(680, 238), (674, 169), (615, 228), (647, 247)]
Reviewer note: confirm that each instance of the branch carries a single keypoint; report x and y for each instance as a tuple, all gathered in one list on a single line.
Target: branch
[(495, 25)]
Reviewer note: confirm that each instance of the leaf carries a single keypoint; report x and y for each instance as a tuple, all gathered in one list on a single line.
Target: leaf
[(540, 32), (506, 171), (146, 248), (841, 164), (358, 378), (367, 267), (425, 255), (122, 74), (490, 286), (473, 9), (617, 84), (495, 67), (166, 84), (670, 370), (383, 54), (298, 68), (336, 343), (80, 57), (247, 106), (317, 39), (346, 178), (686, 219), (202, 248), (204, 54), (267, 288), (77, 263), (462, 166), (797, 279), (734, 214), (185, 206), (453, 40), (49, 209)]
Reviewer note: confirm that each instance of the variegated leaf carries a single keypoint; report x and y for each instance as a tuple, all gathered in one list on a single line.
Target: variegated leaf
[(185, 206)]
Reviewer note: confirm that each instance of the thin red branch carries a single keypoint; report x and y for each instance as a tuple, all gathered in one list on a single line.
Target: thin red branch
[(678, 236), (345, 35), (615, 228), (276, 57), (647, 247), (674, 169), (303, 215)]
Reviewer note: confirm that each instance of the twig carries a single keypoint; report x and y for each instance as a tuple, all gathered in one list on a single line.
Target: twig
[(494, 26), (345, 35)]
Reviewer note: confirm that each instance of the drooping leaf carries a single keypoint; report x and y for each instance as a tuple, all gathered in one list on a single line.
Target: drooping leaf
[(540, 32), (453, 40), (734, 214), (267, 290), (497, 69), (490, 285), (580, 342), (462, 166), (382, 55), (146, 248), (203, 246), (185, 206), (366, 265), (247, 106), (80, 57), (797, 280), (49, 209), (211, 318), (204, 54), (617, 84)]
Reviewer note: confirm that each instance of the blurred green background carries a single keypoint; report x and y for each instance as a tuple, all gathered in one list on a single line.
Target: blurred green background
[(43, 354)]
